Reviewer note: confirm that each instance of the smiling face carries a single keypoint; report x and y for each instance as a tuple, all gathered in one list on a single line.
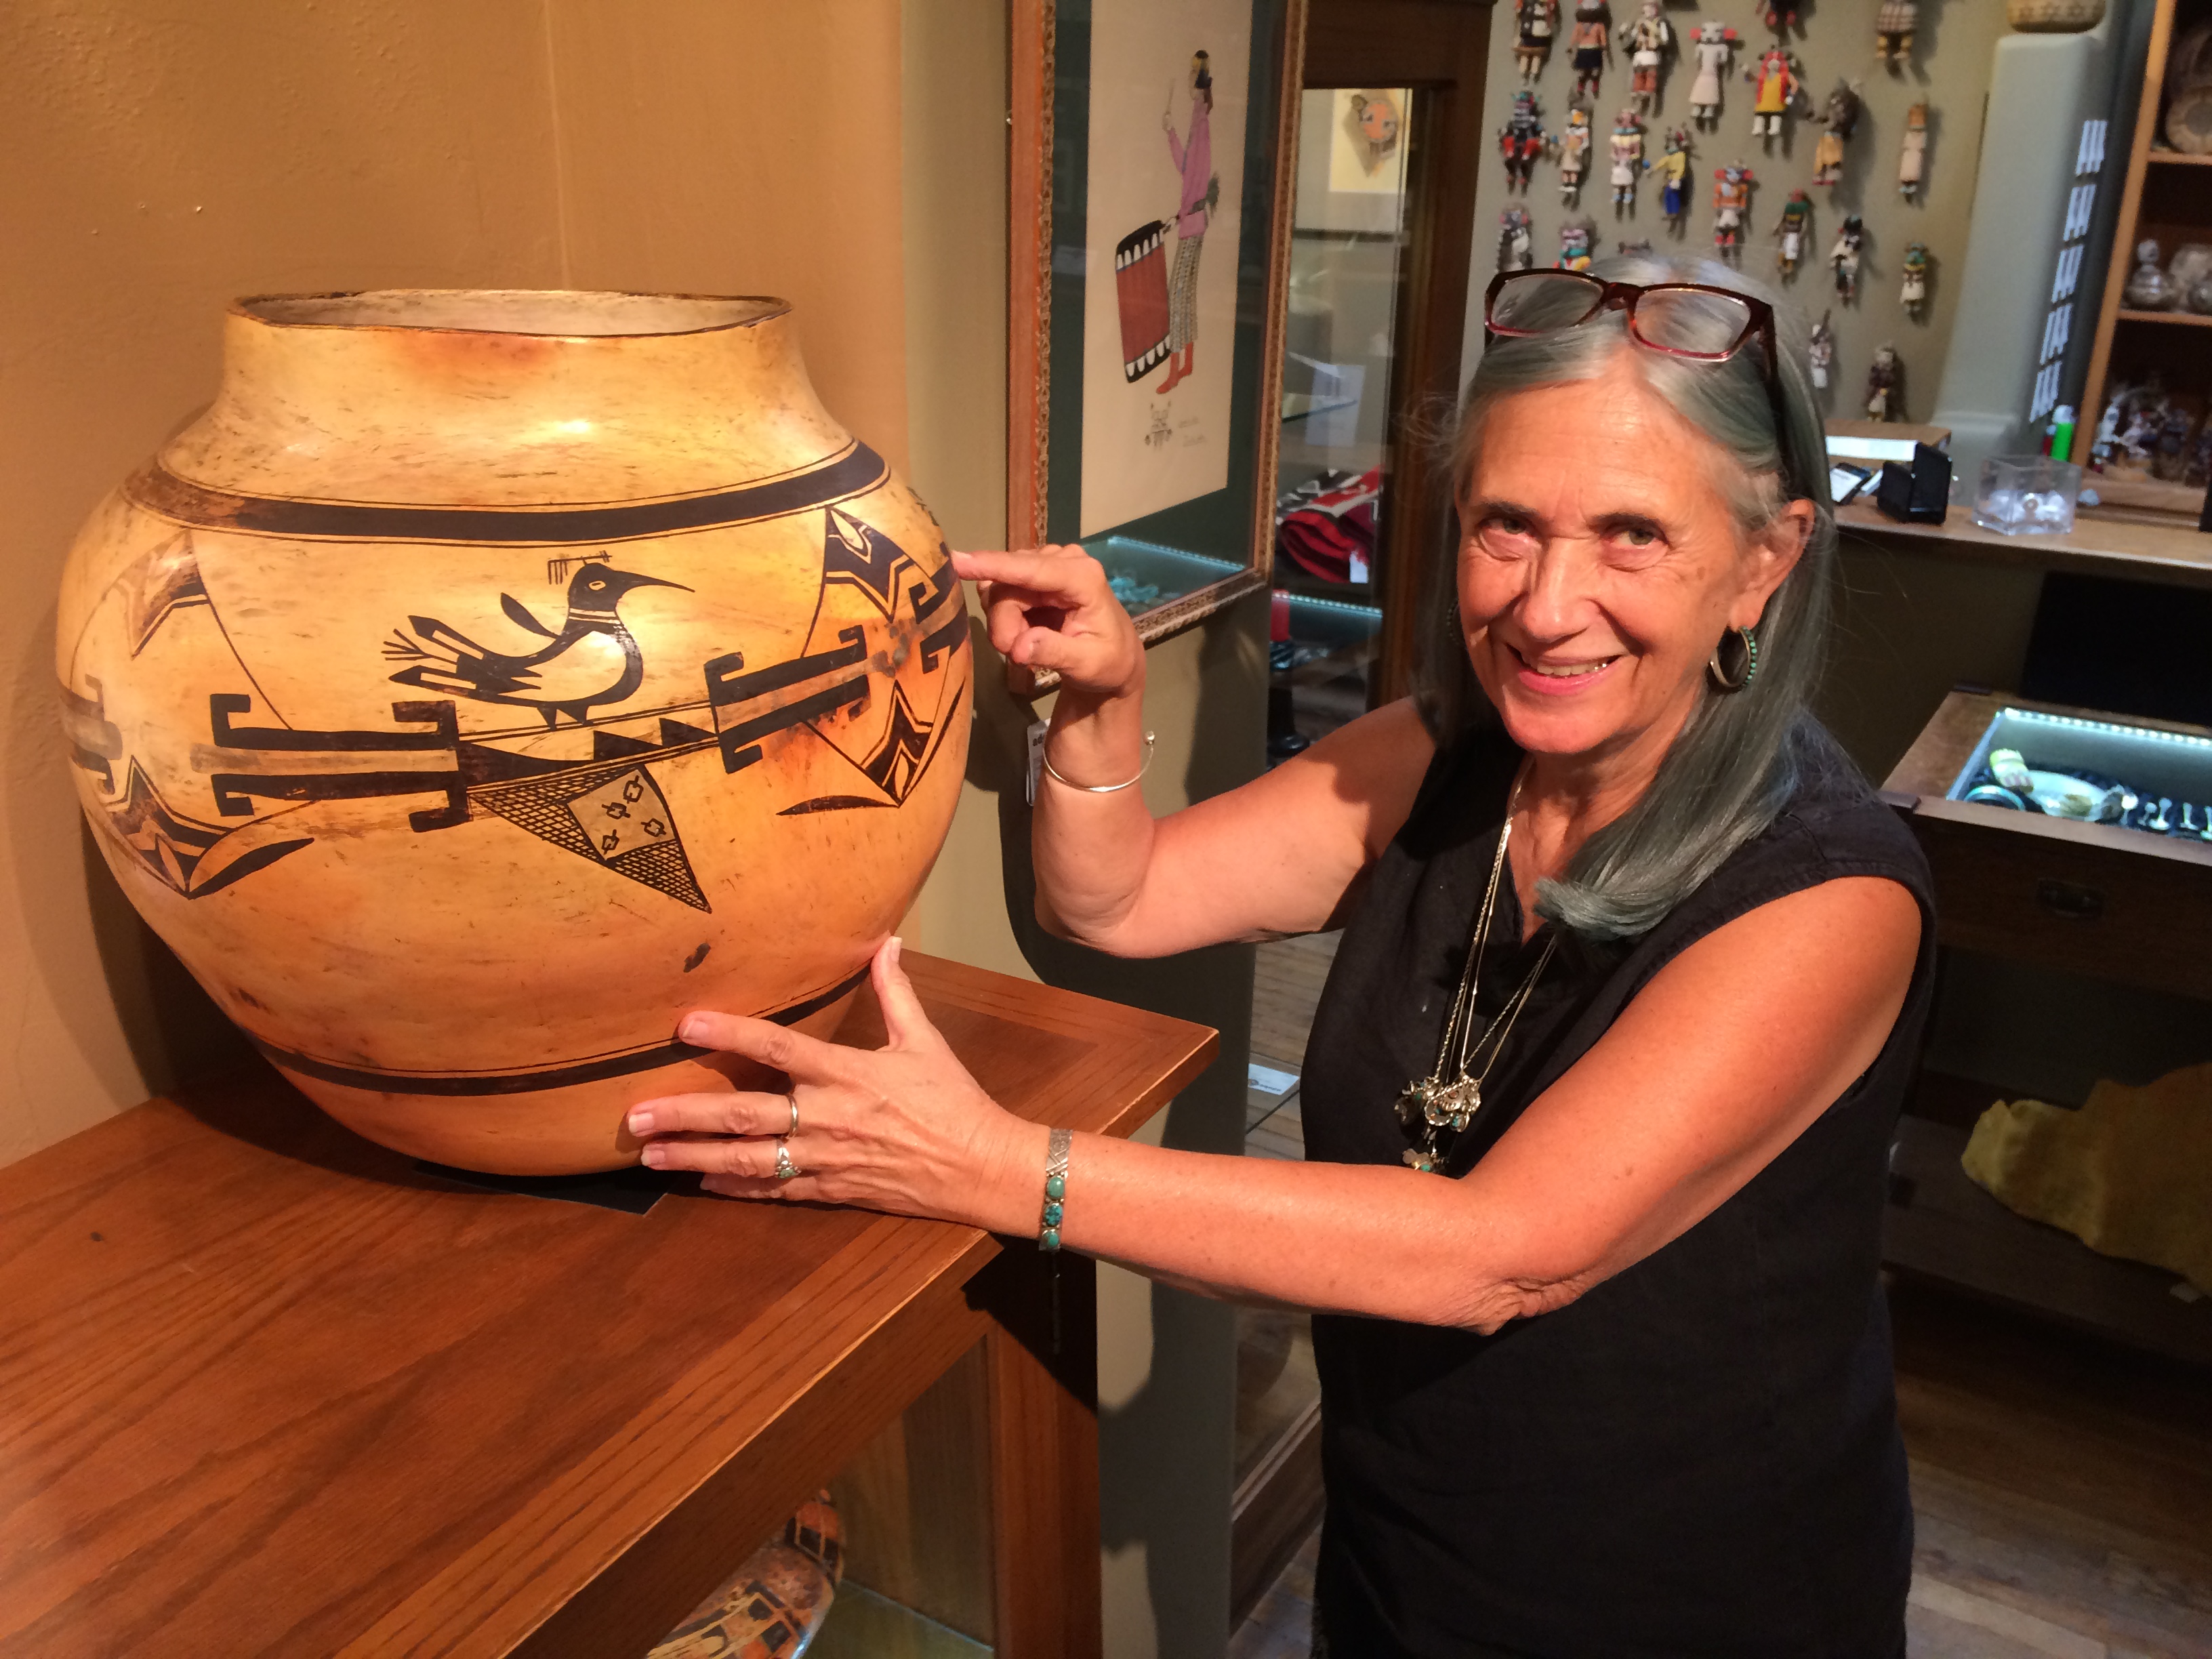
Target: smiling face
[(1601, 563)]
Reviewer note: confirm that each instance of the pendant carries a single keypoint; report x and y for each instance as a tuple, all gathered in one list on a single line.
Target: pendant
[(1421, 1159), (1412, 1107), (1452, 1106)]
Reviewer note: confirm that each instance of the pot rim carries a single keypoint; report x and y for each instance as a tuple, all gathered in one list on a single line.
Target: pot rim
[(250, 308)]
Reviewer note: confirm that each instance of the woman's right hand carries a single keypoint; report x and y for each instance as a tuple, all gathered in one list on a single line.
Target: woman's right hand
[(1050, 608)]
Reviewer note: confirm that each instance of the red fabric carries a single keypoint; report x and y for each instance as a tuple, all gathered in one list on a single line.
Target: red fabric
[(1326, 527)]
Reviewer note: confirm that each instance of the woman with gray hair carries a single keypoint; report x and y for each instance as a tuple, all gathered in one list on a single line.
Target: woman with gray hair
[(1598, 1098)]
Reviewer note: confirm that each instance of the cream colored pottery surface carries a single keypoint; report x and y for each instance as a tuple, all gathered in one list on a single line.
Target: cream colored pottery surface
[(463, 706)]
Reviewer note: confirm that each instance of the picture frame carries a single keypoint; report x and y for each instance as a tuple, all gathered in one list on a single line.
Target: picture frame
[(1167, 477)]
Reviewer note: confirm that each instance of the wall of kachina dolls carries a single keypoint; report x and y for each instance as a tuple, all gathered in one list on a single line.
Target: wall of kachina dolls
[(1827, 146)]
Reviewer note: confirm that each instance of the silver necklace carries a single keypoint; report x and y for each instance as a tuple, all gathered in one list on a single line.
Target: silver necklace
[(1451, 1096)]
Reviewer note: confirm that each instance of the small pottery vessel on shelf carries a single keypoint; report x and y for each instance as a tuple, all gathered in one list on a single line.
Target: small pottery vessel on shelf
[(2148, 289), (486, 678), (2054, 16)]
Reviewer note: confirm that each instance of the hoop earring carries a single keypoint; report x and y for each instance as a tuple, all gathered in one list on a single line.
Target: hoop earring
[(1746, 665)]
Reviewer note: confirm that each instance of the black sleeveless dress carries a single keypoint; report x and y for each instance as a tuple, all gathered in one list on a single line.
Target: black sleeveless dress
[(1700, 1456)]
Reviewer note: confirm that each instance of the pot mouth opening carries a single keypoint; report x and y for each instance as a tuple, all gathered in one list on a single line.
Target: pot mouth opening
[(561, 314)]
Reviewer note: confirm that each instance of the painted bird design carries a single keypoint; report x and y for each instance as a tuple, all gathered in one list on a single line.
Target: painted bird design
[(590, 660)]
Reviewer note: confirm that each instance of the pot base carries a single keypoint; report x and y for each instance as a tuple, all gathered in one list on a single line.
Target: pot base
[(575, 1130)]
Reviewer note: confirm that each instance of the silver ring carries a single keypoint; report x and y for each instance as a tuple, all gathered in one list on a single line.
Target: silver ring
[(785, 1169), (792, 1095)]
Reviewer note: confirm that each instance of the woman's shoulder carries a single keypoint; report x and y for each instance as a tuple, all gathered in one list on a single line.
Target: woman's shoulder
[(1832, 823)]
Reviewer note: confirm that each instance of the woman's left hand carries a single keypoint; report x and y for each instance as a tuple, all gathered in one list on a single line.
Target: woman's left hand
[(901, 1128)]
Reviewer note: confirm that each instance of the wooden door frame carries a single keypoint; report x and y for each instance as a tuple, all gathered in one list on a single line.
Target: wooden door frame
[(1442, 48)]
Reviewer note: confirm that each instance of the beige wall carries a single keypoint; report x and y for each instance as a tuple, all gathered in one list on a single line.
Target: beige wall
[(159, 157)]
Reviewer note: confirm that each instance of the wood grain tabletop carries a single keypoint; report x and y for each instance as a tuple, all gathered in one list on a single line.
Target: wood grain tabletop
[(266, 1388)]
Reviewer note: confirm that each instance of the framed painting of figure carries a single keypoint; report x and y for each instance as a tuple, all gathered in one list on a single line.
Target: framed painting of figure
[(1148, 237)]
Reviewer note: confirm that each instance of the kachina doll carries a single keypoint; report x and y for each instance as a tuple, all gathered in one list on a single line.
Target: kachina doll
[(1714, 49), (1627, 161), (1593, 43), (1522, 140), (1916, 278), (1539, 22), (1731, 201), (1516, 237), (1578, 239), (1912, 159), (1844, 258), (1780, 15), (1794, 225), (1574, 154), (1841, 120), (1820, 352), (1675, 178), (1894, 26), (1776, 87), (1884, 385), (1651, 38)]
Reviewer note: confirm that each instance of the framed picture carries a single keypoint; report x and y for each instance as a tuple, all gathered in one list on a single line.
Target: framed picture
[(1149, 230)]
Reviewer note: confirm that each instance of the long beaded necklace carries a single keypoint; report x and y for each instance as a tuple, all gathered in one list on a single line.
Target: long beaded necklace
[(1451, 1096)]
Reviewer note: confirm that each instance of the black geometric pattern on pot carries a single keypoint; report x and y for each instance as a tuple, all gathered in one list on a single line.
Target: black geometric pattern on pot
[(555, 679), (851, 472), (329, 765), (559, 1074), (162, 582), (832, 804), (612, 813), (95, 741), (858, 555), (749, 707), (175, 848), (896, 763)]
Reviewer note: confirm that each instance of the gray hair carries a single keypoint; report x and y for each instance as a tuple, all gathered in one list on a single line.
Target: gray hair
[(1731, 768)]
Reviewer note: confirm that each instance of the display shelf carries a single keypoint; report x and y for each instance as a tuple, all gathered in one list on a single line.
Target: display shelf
[(2155, 495), (2187, 319), (2098, 545), (2175, 213), (1942, 1226)]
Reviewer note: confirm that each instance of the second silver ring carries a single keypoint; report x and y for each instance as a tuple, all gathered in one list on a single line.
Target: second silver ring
[(785, 1169)]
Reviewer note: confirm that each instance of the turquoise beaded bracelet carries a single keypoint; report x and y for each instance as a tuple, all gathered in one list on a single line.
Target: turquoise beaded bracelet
[(1055, 1187)]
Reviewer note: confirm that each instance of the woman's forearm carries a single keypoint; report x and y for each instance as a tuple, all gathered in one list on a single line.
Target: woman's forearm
[(1337, 1238), (1091, 851)]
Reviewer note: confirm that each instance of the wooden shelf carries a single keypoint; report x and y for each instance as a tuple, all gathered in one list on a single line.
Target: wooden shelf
[(2191, 318), (2183, 500), (2141, 157), (266, 1388), (1941, 1224)]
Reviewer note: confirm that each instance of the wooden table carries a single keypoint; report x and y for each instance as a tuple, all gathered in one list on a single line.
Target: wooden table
[(265, 1389), (2096, 546)]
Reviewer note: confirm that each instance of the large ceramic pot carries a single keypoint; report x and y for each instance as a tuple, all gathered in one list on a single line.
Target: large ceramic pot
[(486, 678)]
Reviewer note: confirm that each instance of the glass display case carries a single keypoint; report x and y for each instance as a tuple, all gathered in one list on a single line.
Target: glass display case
[(2144, 778)]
